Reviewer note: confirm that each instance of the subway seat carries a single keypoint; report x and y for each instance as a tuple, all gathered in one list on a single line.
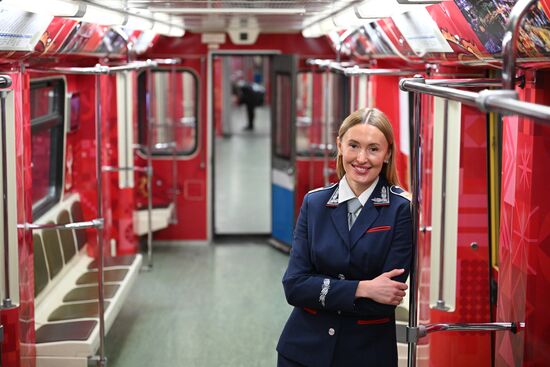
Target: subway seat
[(160, 218), (66, 291)]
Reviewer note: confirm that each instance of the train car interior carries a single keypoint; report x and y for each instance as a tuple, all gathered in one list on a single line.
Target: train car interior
[(160, 160)]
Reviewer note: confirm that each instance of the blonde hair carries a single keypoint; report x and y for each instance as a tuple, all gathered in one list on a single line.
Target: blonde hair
[(376, 118)]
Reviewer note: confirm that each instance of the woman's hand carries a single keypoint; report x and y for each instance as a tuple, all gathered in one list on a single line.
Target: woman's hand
[(383, 289)]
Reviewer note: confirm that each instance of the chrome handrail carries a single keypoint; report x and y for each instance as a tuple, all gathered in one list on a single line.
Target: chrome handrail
[(102, 361), (98, 69), (124, 169), (510, 40), (416, 179), (6, 238), (466, 83), (5, 81), (503, 101), (356, 70), (94, 223)]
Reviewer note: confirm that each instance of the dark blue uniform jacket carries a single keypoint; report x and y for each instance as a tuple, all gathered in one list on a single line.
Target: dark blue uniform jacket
[(329, 326)]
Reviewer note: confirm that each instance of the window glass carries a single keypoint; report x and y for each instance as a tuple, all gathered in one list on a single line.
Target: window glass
[(282, 126), (314, 134), (173, 111), (47, 104)]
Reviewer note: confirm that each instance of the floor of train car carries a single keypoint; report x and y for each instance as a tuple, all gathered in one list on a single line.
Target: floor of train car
[(243, 174), (203, 305)]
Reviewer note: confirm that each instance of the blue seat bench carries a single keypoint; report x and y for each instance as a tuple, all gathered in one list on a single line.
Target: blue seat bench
[(66, 291)]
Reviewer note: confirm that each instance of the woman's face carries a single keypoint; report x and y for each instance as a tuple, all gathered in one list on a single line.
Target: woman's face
[(364, 149)]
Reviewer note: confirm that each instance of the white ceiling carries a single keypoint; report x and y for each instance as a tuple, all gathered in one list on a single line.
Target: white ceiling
[(270, 16)]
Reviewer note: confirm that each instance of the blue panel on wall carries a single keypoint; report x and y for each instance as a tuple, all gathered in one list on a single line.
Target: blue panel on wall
[(283, 214)]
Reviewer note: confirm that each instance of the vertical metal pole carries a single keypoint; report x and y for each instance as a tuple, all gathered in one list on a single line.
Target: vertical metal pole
[(101, 300), (6, 302), (326, 134), (128, 154), (415, 207), (149, 174), (440, 301), (369, 92), (174, 219)]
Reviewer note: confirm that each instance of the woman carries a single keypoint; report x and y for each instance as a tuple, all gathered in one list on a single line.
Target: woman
[(346, 271)]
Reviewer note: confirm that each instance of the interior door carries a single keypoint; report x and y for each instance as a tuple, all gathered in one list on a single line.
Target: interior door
[(283, 147)]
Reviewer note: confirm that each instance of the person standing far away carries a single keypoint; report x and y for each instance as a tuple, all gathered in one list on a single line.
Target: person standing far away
[(252, 96), (350, 256)]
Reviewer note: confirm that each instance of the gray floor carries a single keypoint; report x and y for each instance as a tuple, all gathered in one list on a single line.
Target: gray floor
[(242, 176), (203, 305)]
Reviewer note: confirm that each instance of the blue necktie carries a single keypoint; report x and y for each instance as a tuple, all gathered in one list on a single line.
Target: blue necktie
[(354, 208)]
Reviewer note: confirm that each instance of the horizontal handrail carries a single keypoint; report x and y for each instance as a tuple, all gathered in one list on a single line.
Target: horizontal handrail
[(124, 169), (173, 61), (408, 334), (165, 146), (464, 83), (503, 101), (94, 223), (98, 68), (355, 70), (514, 327)]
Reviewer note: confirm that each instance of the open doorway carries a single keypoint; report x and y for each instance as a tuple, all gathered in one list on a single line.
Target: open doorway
[(242, 145)]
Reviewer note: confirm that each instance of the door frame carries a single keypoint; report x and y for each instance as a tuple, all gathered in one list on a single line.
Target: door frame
[(210, 131)]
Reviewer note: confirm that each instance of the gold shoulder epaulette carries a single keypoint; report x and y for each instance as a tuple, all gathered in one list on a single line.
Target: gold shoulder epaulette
[(399, 191)]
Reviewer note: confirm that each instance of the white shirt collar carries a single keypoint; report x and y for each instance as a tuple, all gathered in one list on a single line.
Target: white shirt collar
[(345, 192)]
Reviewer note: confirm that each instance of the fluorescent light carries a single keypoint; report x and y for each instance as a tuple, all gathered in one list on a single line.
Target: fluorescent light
[(375, 9), (246, 11), (101, 16), (312, 31), (137, 22), (51, 7)]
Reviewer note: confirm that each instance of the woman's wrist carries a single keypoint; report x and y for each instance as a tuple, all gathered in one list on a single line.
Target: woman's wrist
[(362, 289)]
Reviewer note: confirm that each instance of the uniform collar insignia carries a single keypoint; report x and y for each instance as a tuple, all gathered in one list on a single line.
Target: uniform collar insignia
[(383, 199), (333, 201)]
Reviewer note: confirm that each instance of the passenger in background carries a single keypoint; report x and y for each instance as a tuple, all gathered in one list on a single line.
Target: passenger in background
[(350, 256), (252, 96)]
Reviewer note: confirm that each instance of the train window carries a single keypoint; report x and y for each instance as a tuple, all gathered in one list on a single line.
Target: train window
[(47, 122), (282, 128), (173, 111), (317, 127)]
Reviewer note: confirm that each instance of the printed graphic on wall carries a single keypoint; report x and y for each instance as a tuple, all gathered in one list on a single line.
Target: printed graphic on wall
[(488, 20)]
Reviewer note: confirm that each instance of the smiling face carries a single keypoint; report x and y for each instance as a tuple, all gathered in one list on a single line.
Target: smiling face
[(364, 149)]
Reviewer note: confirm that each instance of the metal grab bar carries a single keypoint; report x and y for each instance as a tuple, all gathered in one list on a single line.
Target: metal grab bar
[(98, 69), (416, 202), (94, 223), (503, 101), (356, 70), (124, 169), (510, 41), (412, 335), (465, 83), (6, 238), (5, 81), (102, 361)]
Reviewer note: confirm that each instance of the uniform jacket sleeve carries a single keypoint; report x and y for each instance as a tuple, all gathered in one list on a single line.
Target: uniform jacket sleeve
[(399, 257), (304, 286)]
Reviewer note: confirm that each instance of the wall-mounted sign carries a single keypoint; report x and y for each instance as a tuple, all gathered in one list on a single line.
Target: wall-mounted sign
[(21, 31), (421, 32)]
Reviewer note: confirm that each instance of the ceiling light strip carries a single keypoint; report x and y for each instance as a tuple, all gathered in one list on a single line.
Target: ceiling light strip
[(247, 11)]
